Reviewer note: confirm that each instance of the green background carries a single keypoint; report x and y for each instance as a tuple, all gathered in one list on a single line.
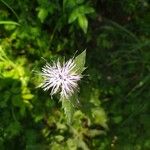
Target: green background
[(114, 108)]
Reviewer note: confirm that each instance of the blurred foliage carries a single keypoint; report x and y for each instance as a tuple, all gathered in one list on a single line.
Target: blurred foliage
[(113, 109)]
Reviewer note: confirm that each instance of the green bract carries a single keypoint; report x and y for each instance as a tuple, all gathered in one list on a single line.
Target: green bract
[(69, 105)]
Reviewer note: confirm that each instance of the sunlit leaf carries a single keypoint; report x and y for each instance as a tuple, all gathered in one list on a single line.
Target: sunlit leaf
[(74, 15), (83, 23), (28, 96), (42, 14), (68, 109), (79, 12), (80, 62), (10, 22)]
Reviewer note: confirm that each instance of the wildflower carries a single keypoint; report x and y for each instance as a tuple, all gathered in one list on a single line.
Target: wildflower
[(60, 78)]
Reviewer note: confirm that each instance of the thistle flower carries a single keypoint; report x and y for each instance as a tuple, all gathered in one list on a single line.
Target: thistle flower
[(60, 78)]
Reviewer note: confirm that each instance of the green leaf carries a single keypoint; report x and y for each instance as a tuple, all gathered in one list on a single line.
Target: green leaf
[(69, 4), (117, 119), (42, 14), (68, 109), (10, 22), (80, 62), (95, 132), (13, 129), (83, 23), (17, 101), (27, 96), (79, 1), (74, 15), (88, 10), (80, 11), (100, 117)]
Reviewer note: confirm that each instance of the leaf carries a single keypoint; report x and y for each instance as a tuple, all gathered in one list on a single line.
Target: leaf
[(13, 128), (79, 14), (27, 96), (83, 23), (94, 132), (79, 1), (117, 119), (80, 11), (83, 145), (69, 4), (10, 22), (88, 10), (100, 117), (68, 109), (17, 101), (42, 14), (80, 62), (74, 15)]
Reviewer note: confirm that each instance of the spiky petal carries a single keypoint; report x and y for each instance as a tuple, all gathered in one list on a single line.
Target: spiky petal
[(60, 78)]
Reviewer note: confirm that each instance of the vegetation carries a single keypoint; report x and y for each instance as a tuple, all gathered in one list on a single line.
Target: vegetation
[(113, 108)]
